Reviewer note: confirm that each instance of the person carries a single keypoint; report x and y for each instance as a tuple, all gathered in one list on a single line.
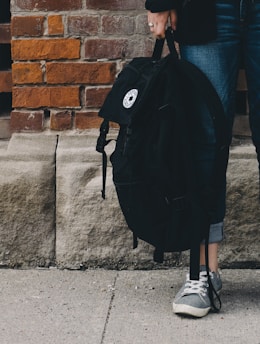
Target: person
[(214, 35)]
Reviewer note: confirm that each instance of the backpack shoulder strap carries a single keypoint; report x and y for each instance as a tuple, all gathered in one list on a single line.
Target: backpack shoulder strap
[(100, 147)]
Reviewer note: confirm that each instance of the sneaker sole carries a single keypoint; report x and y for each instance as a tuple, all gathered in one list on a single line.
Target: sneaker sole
[(189, 310)]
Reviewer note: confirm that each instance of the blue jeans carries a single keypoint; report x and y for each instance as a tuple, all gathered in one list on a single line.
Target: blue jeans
[(238, 32)]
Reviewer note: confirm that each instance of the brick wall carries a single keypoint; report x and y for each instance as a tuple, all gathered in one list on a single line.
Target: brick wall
[(66, 54), (5, 70)]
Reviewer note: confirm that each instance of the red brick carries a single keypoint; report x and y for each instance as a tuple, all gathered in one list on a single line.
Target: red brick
[(27, 121), (106, 48), (47, 5), (81, 73), (87, 120), (141, 25), (61, 120), (36, 97), (96, 96), (139, 47), (5, 33), (5, 81), (45, 49), (27, 26), (115, 5), (55, 25), (118, 48), (27, 73), (83, 25), (117, 25)]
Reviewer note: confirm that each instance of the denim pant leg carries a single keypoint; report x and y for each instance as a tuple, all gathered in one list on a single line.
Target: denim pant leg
[(219, 60), (251, 50)]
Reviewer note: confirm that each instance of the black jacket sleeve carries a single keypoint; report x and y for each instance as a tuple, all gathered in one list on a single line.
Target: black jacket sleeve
[(161, 5)]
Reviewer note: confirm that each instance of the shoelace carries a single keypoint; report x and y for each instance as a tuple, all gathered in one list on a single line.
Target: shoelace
[(196, 287)]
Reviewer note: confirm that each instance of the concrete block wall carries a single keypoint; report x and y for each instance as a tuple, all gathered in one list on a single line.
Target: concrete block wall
[(27, 201), (52, 213), (66, 55)]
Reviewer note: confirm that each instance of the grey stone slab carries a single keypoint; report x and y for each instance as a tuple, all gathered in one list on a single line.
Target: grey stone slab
[(82, 147), (243, 151), (27, 213), (32, 147), (5, 131), (141, 311), (27, 201), (54, 307), (52, 201), (90, 231), (242, 230), (3, 146)]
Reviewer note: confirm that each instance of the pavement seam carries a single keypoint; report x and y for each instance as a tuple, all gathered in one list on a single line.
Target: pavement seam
[(55, 198), (113, 288)]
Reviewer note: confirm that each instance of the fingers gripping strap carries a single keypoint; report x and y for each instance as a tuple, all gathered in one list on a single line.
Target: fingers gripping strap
[(158, 48)]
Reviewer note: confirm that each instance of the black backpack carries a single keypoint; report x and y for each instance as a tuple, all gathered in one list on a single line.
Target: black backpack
[(166, 193)]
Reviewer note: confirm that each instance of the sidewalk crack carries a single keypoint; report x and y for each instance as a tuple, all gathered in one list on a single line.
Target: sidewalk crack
[(113, 288), (55, 199)]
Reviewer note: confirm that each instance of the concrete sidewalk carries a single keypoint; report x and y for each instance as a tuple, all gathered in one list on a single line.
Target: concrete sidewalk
[(121, 307)]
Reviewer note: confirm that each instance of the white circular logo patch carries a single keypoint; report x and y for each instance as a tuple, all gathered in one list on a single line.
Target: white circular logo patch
[(130, 98)]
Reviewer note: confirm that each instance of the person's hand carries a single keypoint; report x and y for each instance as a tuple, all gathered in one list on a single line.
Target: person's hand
[(159, 21)]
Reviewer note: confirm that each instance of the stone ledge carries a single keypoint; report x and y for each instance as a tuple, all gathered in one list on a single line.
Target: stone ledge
[(31, 147), (54, 214), (27, 201), (243, 151)]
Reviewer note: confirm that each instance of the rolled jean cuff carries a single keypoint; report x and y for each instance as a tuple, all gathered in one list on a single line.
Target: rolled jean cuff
[(215, 233)]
